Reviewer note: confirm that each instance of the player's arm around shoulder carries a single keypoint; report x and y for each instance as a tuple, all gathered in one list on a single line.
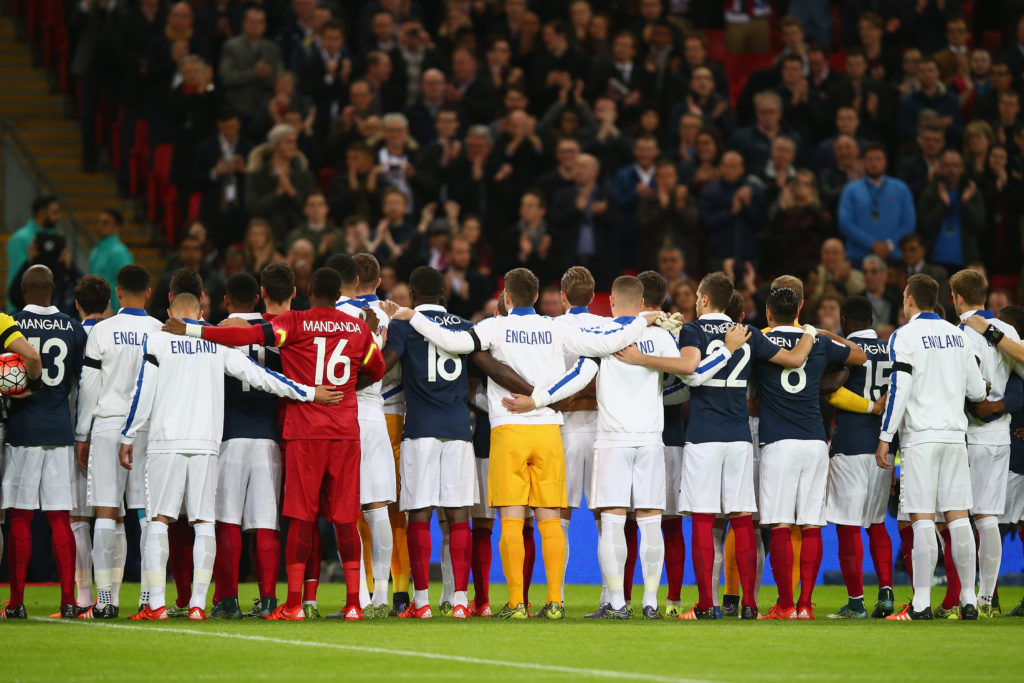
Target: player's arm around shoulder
[(1006, 344), (796, 356), (854, 356)]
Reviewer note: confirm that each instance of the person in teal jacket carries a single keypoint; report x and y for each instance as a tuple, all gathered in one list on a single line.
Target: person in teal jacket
[(110, 254), (45, 216)]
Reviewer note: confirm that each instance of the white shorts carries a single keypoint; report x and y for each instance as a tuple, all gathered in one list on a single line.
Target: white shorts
[(437, 473), (579, 430), (989, 466), (1014, 511), (934, 476), (481, 510), (718, 478), (858, 490), (37, 477), (794, 478), (673, 478), (377, 482), (630, 477), (109, 484), (79, 489), (249, 483), (173, 479)]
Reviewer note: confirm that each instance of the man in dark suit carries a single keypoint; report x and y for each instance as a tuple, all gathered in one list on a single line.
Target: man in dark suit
[(874, 101), (558, 61), (623, 78), (913, 248), (473, 93), (249, 64), (584, 218), (423, 113), (298, 32), (324, 76), (388, 93), (435, 159), (220, 176)]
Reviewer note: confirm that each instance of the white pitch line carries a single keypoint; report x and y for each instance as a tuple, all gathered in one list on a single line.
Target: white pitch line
[(549, 668)]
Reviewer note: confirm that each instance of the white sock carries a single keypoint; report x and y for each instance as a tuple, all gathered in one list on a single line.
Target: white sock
[(204, 553), (565, 565), (104, 547), (460, 598), (447, 573), (965, 554), (760, 562), (924, 557), (364, 587), (990, 556), (83, 562), (154, 563), (604, 577), (611, 553), (120, 556), (717, 536), (652, 557), (381, 546), (143, 583), (420, 597)]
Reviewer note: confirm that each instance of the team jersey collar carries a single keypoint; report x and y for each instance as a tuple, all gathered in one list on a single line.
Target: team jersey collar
[(368, 298), (625, 319), (988, 315), (863, 334), (190, 321), (89, 322), (355, 303), (523, 310), (715, 316), (41, 310), (576, 310), (134, 311), (786, 328), (430, 307), (928, 315), (247, 316)]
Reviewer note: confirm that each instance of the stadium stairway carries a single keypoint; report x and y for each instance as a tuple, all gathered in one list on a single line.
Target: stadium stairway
[(53, 139)]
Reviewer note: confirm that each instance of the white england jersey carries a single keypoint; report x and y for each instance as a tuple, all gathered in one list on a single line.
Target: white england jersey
[(996, 368), (582, 318), (934, 369), (179, 392), (532, 345), (113, 355), (369, 399)]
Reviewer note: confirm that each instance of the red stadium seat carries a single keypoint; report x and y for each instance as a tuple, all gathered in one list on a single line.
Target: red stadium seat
[(715, 38), (195, 201), (1008, 282), (161, 193), (138, 157), (601, 305), (325, 179)]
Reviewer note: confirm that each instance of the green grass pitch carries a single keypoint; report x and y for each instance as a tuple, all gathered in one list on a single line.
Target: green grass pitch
[(481, 649)]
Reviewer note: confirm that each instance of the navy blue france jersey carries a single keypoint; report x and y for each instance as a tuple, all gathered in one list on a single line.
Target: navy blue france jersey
[(44, 418), (674, 432), (718, 408), (436, 383), (857, 433), (250, 413), (1013, 399), (789, 397)]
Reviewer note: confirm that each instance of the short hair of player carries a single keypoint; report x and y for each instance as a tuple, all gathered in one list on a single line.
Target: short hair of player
[(345, 266), (718, 288), (92, 293), (794, 283), (857, 308), (735, 308), (367, 269), (242, 289), (578, 286), (971, 285), (521, 286), (925, 291), (655, 287), (1014, 315), (426, 283), (185, 281), (133, 279), (278, 281), (783, 304), (326, 284), (185, 305), (628, 289)]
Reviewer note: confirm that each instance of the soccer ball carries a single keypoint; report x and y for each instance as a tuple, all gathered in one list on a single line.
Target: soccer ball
[(13, 376)]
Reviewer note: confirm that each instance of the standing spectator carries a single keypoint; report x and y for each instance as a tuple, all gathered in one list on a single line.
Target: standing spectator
[(357, 189), (318, 228), (423, 113), (754, 142), (701, 170), (299, 33), (623, 78), (746, 26), (667, 216), (386, 89), (249, 65), (883, 63), (394, 159), (192, 109), (416, 54), (259, 247), (796, 226), (918, 169), (803, 110), (819, 71), (190, 258), (45, 216), (953, 60), (816, 19), (732, 210), (586, 220), (978, 140), (530, 243), (952, 214), (835, 273), (791, 30), (520, 154), (695, 54), (924, 22), (1007, 116), (885, 300), (975, 82), (610, 145), (779, 170), (164, 54), (1014, 54), (1003, 192), (348, 126), (219, 174), (844, 169), (875, 211), (472, 174), (872, 100), (110, 254), (706, 102), (435, 160), (466, 289), (931, 93), (562, 175), (277, 181), (986, 105), (672, 266), (557, 62), (914, 251), (50, 249), (396, 229), (301, 258), (499, 67), (324, 75), (847, 123), (632, 183)]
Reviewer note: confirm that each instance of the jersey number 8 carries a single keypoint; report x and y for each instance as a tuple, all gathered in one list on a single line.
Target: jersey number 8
[(438, 363), (331, 365)]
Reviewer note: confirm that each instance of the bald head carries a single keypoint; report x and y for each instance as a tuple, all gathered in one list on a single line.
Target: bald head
[(37, 286), (587, 169), (185, 306)]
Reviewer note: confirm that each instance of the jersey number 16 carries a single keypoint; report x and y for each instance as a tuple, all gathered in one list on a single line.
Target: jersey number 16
[(331, 364)]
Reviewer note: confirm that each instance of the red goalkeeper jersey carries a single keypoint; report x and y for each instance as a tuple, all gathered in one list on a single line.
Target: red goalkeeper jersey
[(318, 346)]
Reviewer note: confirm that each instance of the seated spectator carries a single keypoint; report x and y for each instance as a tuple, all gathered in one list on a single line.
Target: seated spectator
[(998, 299), (918, 169), (584, 216), (886, 301), (562, 175), (220, 167), (667, 216), (46, 213), (259, 247), (835, 273), (682, 298), (952, 60), (844, 169), (1003, 192), (466, 289), (732, 209), (952, 214), (249, 64), (753, 142), (931, 93), (847, 123), (913, 248), (110, 254), (357, 189), (703, 168), (324, 76), (796, 226), (875, 211), (318, 228), (277, 181), (779, 170)]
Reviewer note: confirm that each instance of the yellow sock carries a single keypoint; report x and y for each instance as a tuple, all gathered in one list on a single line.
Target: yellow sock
[(513, 553), (732, 571), (364, 535), (400, 566), (797, 537), (553, 546)]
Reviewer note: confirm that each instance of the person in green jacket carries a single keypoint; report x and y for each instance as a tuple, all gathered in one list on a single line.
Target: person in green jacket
[(110, 254), (45, 216)]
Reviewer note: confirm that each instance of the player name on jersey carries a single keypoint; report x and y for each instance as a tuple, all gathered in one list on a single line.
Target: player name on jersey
[(127, 338), (329, 326), (937, 341), (527, 337), (193, 346), (46, 324)]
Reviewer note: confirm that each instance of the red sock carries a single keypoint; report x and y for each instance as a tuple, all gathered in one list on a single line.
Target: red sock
[(19, 552), (907, 549), (268, 555), (631, 552), (810, 563), (418, 536), (312, 572), (952, 598), (229, 554), (350, 547), (851, 557), (63, 553), (296, 555), (675, 555), (781, 555), (481, 565), (881, 553), (180, 539), (461, 549), (529, 559), (703, 550), (746, 557)]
